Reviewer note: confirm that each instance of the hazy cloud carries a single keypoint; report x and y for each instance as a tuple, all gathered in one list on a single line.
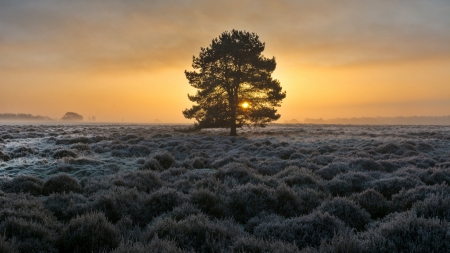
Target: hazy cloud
[(138, 34)]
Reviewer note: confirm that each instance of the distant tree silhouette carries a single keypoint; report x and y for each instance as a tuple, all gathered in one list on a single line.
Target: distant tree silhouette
[(71, 116), (234, 83)]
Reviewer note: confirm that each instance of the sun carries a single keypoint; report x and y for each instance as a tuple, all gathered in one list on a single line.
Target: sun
[(245, 105)]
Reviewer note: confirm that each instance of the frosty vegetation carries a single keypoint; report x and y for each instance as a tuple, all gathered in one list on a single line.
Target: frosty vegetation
[(283, 188)]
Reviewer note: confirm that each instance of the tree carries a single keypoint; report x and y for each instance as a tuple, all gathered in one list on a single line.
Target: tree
[(234, 82), (72, 116)]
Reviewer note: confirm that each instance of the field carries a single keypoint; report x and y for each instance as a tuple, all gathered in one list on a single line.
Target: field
[(283, 188)]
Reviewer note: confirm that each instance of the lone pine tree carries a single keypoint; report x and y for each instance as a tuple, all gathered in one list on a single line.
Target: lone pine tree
[(234, 82)]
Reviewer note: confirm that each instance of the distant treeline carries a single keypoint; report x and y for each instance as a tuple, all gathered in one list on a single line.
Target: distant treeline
[(415, 120), (23, 116)]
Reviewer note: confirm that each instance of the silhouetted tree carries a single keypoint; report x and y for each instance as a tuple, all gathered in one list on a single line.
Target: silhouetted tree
[(72, 116), (234, 83)]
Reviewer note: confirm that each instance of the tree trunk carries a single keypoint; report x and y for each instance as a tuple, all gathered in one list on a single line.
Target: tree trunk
[(233, 121)]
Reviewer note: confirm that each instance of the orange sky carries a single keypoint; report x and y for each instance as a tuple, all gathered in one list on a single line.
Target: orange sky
[(125, 60)]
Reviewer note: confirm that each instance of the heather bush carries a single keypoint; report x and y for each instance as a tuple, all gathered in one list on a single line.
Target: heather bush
[(347, 211), (208, 202), (159, 202), (348, 183), (263, 217), (64, 153), (238, 171), (22, 152), (165, 159), (156, 245), (118, 202), (373, 202), (308, 199), (8, 246), (437, 176), (247, 201), (404, 200), (90, 232), (196, 232), (61, 183), (4, 157), (434, 206), (250, 244), (32, 236), (172, 174), (146, 181), (181, 212), (23, 183), (404, 232), (330, 171), (81, 147), (343, 241), (152, 164), (300, 177), (392, 185), (308, 230), (65, 206), (287, 203), (365, 164)]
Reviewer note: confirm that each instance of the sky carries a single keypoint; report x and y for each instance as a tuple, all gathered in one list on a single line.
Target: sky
[(124, 61)]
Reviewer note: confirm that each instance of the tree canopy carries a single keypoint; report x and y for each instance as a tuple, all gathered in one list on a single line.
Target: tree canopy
[(234, 82)]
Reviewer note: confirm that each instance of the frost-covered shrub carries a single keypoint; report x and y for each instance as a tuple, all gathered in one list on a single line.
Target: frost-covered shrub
[(270, 166), (146, 181), (300, 177), (435, 206), (389, 148), (238, 171), (287, 202), (65, 206), (64, 153), (343, 241), (139, 151), (159, 202), (437, 176), (72, 140), (22, 152), (348, 183), (152, 164), (118, 202), (196, 232), (31, 236), (165, 159), (208, 202), (404, 200), (365, 164), (247, 201), (81, 147), (155, 246), (308, 230), (404, 232), (4, 157), (61, 183), (23, 183), (373, 202), (256, 245), (90, 232), (330, 171), (8, 246), (263, 217), (347, 211), (392, 185)]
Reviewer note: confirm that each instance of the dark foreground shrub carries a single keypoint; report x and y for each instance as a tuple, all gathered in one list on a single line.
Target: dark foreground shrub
[(196, 232), (8, 246), (247, 201), (406, 198), (145, 181), (155, 246), (308, 230), (347, 211), (287, 202), (343, 241), (165, 159), (238, 171), (251, 244), (23, 183), (89, 233), (65, 206), (435, 206), (373, 202), (348, 183), (404, 232), (365, 164), (392, 185), (61, 183), (4, 157), (31, 236), (64, 153), (300, 177), (330, 171), (208, 202), (159, 202)]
